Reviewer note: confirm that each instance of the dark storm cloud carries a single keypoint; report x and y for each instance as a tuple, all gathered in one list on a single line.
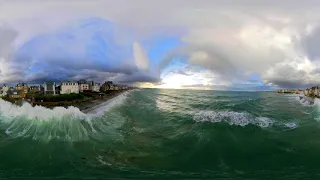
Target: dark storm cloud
[(90, 50), (287, 75), (138, 77), (311, 44), (283, 83), (9, 71), (60, 75)]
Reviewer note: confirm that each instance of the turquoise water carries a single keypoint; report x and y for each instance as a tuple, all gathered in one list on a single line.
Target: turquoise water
[(158, 134)]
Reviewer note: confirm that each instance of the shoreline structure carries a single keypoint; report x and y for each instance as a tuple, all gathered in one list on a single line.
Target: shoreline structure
[(81, 94), (89, 106), (86, 106), (308, 95)]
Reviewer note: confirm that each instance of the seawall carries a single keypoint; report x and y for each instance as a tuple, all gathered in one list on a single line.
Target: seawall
[(306, 99)]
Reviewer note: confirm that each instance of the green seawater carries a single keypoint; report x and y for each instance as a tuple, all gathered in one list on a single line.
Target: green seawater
[(165, 134)]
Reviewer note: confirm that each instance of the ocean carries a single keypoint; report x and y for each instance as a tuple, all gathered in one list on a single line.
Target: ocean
[(164, 134)]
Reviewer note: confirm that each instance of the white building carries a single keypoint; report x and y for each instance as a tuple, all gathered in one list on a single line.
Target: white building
[(50, 88), (95, 87), (4, 91), (69, 87)]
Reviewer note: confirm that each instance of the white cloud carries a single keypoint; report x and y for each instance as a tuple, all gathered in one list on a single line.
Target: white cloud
[(198, 56), (229, 38), (140, 57), (8, 70)]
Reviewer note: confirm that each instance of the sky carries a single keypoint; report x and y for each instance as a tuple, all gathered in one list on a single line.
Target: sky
[(183, 44)]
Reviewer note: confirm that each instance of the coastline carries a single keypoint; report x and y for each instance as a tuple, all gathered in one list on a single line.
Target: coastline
[(305, 99), (89, 106), (85, 106)]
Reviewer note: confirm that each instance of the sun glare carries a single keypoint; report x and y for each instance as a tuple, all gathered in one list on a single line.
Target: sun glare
[(176, 81)]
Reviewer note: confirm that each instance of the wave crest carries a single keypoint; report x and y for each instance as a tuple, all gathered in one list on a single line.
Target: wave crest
[(67, 124), (233, 118), (10, 111)]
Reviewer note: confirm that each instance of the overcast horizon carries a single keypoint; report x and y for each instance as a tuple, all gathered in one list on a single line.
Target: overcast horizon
[(178, 44)]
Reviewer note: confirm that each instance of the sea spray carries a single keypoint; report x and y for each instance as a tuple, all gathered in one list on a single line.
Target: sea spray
[(59, 123), (233, 118), (104, 107), (27, 111), (317, 102), (317, 105)]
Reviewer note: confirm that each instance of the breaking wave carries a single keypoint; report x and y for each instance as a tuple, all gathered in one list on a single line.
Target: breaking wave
[(102, 108), (233, 118), (11, 111), (67, 124), (242, 119)]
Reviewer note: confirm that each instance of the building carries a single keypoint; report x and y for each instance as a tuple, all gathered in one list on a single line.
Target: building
[(58, 89), (23, 87), (16, 94), (83, 85), (34, 89), (310, 92), (106, 86), (49, 88), (4, 90), (69, 87), (317, 91), (95, 87), (91, 83)]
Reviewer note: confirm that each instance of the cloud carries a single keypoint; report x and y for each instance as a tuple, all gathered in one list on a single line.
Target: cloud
[(229, 39), (257, 47), (140, 77), (140, 57), (89, 49), (311, 43), (8, 70), (293, 75)]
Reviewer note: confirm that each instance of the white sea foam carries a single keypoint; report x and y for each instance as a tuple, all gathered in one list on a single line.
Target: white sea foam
[(68, 124), (263, 121), (10, 110), (317, 102), (291, 125), (307, 101), (317, 109), (102, 108), (233, 118)]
